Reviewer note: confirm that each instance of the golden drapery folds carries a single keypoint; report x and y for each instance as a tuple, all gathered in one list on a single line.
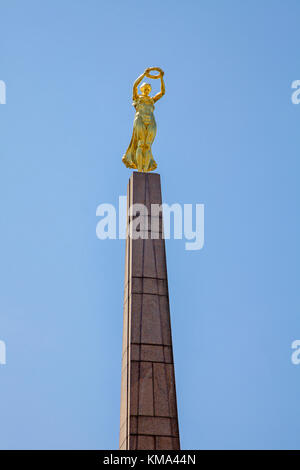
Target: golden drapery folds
[(139, 153)]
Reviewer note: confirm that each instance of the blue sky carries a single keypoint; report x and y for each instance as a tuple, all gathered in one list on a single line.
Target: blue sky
[(228, 137)]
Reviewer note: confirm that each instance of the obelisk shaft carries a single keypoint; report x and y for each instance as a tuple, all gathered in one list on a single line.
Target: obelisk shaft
[(148, 396)]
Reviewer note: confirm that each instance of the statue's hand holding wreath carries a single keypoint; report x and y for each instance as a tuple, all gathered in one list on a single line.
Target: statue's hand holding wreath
[(154, 69)]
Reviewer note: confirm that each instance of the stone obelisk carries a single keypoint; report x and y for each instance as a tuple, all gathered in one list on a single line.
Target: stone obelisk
[(148, 396)]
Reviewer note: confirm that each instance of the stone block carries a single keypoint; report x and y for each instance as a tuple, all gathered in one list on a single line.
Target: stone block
[(167, 443), (134, 387), (146, 443), (161, 395), (170, 377), (146, 390), (135, 311), (154, 426), (168, 354), (165, 319), (151, 326), (152, 353), (135, 352)]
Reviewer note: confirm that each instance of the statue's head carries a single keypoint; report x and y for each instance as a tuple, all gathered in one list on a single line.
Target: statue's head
[(145, 88)]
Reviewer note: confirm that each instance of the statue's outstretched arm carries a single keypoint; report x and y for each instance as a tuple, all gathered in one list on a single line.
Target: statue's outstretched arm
[(162, 88)]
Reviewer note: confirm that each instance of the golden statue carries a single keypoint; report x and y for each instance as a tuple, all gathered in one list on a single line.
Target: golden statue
[(139, 154)]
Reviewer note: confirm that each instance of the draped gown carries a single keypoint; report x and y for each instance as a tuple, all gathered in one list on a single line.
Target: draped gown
[(143, 135)]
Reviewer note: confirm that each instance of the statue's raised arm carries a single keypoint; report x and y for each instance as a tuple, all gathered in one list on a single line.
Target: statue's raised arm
[(139, 153), (159, 95), (135, 93)]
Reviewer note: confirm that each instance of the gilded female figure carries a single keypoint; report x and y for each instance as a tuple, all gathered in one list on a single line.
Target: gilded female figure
[(139, 154)]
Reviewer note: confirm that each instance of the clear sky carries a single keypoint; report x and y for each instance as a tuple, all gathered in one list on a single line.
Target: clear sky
[(228, 137)]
